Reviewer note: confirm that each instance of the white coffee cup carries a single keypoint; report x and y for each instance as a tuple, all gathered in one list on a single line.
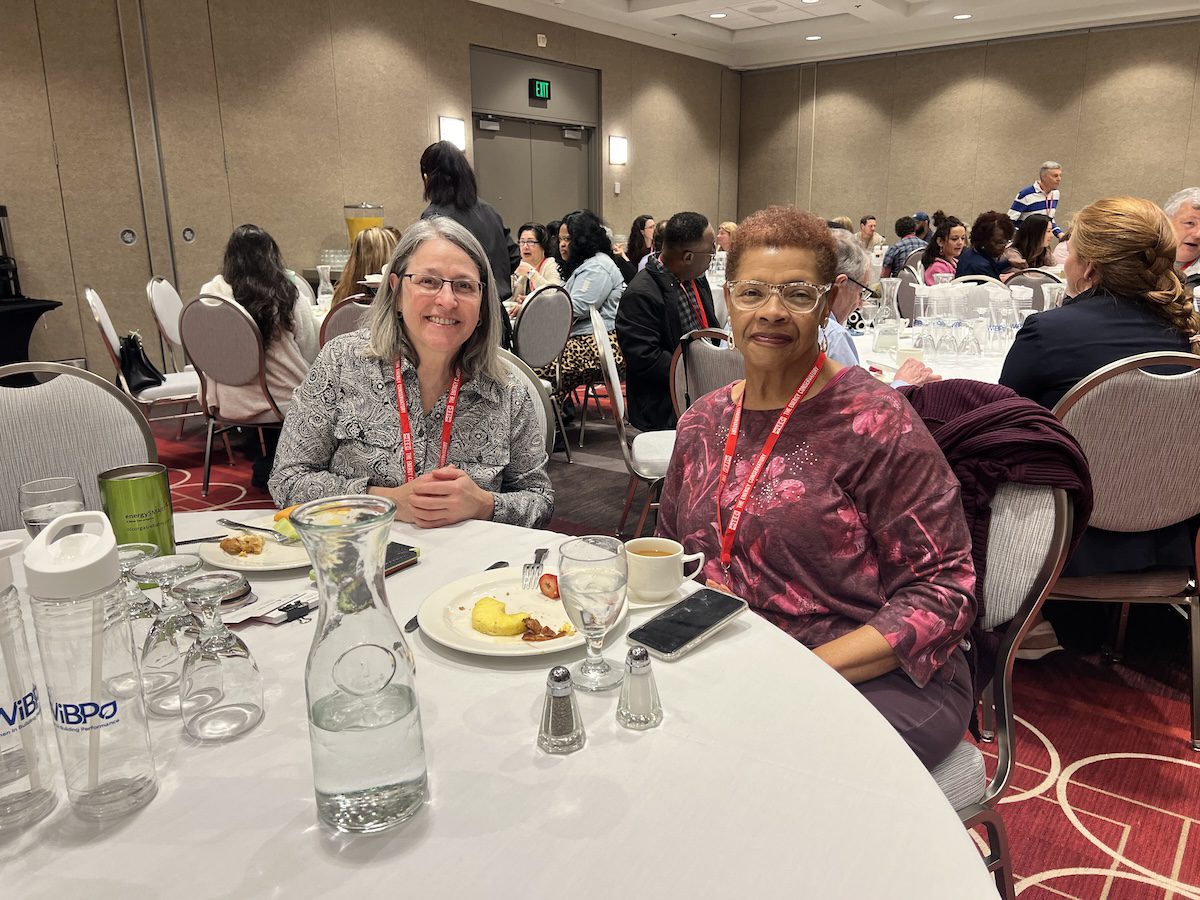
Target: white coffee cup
[(656, 566)]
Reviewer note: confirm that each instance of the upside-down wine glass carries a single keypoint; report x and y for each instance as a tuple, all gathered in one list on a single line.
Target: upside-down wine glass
[(592, 576), (221, 689), (173, 631)]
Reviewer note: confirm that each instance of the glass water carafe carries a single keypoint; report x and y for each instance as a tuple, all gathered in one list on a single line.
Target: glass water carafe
[(364, 722), (887, 318)]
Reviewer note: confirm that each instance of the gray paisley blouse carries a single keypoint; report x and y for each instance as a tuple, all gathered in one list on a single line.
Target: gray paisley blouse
[(342, 435)]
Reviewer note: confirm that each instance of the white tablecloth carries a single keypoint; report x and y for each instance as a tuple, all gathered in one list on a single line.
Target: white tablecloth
[(986, 368), (769, 777)]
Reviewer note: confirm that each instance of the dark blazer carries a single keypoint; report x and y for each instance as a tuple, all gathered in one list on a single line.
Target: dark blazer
[(972, 262), (648, 330), (1054, 351)]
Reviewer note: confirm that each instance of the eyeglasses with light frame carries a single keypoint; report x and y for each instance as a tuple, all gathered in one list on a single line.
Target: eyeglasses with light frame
[(797, 296)]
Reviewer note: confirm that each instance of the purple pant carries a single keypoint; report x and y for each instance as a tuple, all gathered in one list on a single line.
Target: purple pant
[(933, 719)]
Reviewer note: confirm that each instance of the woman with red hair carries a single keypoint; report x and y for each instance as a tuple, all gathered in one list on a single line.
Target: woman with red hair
[(818, 495)]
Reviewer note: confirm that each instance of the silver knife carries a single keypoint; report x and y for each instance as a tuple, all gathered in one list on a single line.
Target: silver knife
[(411, 625)]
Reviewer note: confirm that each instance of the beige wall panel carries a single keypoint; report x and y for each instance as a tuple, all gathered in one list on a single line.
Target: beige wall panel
[(805, 132), (89, 108), (923, 173), (274, 62), (1139, 82), (189, 123), (676, 133), (853, 137), (1191, 159), (767, 150), (382, 91), (31, 189), (1040, 85), (727, 187), (619, 75)]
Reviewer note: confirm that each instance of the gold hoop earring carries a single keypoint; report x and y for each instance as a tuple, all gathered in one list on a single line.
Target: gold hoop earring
[(823, 340)]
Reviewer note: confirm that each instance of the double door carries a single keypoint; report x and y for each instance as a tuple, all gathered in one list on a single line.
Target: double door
[(534, 171)]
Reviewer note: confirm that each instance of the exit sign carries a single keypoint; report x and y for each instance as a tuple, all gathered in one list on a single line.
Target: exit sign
[(539, 89)]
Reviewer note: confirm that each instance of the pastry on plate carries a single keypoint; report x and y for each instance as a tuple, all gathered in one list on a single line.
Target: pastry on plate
[(243, 544)]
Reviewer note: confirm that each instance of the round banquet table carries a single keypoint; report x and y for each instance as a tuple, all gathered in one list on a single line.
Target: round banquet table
[(770, 776), (985, 368)]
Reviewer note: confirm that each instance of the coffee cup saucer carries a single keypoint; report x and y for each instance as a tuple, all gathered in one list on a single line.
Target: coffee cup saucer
[(682, 592)]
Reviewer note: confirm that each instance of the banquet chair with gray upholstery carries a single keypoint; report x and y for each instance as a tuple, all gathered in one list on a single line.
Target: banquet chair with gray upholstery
[(647, 457), (1027, 544), (1141, 481), (536, 388), (540, 333), (1034, 278), (75, 423), (906, 292), (224, 343), (913, 261), (178, 388), (345, 316), (703, 362), (166, 306), (978, 279)]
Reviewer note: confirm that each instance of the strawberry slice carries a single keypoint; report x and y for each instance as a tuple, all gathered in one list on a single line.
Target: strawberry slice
[(548, 585)]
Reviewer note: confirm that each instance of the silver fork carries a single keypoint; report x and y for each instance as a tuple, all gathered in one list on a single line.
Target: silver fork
[(279, 538), (531, 572)]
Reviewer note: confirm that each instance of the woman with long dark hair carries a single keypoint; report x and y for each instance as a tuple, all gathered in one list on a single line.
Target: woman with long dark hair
[(254, 277), (1031, 244), (451, 191), (942, 252), (536, 270), (641, 233)]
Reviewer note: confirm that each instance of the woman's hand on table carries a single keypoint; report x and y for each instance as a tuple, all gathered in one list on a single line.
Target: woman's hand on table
[(441, 497), (913, 371)]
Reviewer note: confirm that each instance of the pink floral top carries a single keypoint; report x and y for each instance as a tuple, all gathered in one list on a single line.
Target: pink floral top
[(855, 520)]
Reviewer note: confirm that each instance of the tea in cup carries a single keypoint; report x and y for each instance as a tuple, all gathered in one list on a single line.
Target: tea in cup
[(656, 566)]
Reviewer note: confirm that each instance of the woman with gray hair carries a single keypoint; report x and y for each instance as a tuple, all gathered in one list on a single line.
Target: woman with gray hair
[(1183, 209), (417, 406)]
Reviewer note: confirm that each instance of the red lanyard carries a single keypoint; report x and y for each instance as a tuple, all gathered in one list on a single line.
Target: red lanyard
[(699, 306), (406, 438), (735, 520)]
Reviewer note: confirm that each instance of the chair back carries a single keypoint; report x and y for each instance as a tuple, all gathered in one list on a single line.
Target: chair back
[(224, 344), (75, 424), (166, 305), (537, 393), (1034, 278), (542, 326), (913, 260), (303, 287), (1028, 536), (107, 332), (906, 292), (977, 279), (699, 366), (1127, 420), (346, 316)]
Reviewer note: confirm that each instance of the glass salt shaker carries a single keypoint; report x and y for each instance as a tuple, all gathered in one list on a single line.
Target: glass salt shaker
[(562, 728), (639, 707)]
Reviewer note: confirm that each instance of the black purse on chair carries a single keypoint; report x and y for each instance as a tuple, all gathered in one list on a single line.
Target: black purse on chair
[(136, 368)]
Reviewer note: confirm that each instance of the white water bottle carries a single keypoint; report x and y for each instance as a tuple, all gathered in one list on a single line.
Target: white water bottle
[(93, 683), (27, 791)]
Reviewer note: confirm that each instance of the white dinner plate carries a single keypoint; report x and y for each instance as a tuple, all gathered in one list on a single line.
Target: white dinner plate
[(682, 592), (375, 279), (445, 616), (274, 557)]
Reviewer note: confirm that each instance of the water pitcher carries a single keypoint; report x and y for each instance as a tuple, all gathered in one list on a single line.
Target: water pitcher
[(364, 722)]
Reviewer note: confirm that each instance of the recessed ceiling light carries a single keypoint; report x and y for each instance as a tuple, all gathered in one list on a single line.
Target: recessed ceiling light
[(813, 37), (962, 17), (808, 1), (717, 15)]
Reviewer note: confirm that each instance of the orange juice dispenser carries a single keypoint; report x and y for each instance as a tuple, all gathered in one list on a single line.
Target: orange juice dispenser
[(361, 216)]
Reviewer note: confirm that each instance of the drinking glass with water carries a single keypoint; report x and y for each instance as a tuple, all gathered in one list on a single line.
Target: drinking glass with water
[(44, 500), (592, 577)]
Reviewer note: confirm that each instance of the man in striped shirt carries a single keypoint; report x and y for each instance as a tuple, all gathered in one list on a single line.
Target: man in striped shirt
[(1040, 197)]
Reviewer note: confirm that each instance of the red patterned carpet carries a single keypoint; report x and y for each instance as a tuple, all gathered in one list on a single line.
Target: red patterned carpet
[(1105, 803)]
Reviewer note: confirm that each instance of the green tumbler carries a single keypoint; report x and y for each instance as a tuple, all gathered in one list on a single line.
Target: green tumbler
[(137, 500)]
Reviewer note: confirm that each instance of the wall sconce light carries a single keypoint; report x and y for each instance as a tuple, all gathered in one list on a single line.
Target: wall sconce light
[(618, 150), (453, 130)]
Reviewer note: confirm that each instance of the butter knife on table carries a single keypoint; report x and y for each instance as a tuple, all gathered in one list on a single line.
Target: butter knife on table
[(411, 625)]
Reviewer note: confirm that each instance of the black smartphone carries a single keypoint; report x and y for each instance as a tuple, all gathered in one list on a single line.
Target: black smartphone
[(400, 556), (687, 624)]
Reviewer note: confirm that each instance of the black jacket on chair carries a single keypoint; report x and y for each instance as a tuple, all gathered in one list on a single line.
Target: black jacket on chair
[(1054, 351), (648, 330)]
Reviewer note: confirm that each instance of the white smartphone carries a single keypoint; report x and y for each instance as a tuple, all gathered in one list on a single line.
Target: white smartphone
[(689, 623)]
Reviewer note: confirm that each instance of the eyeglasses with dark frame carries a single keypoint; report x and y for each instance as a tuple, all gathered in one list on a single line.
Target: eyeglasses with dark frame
[(431, 285), (711, 252), (865, 293), (797, 296)]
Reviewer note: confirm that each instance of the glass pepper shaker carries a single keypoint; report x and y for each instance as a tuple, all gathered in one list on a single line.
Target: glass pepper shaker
[(639, 707), (562, 728)]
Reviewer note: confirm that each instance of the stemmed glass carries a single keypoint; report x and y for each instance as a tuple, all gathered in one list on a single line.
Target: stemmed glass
[(592, 576), (142, 610), (221, 692), (868, 310), (173, 631), (44, 500)]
